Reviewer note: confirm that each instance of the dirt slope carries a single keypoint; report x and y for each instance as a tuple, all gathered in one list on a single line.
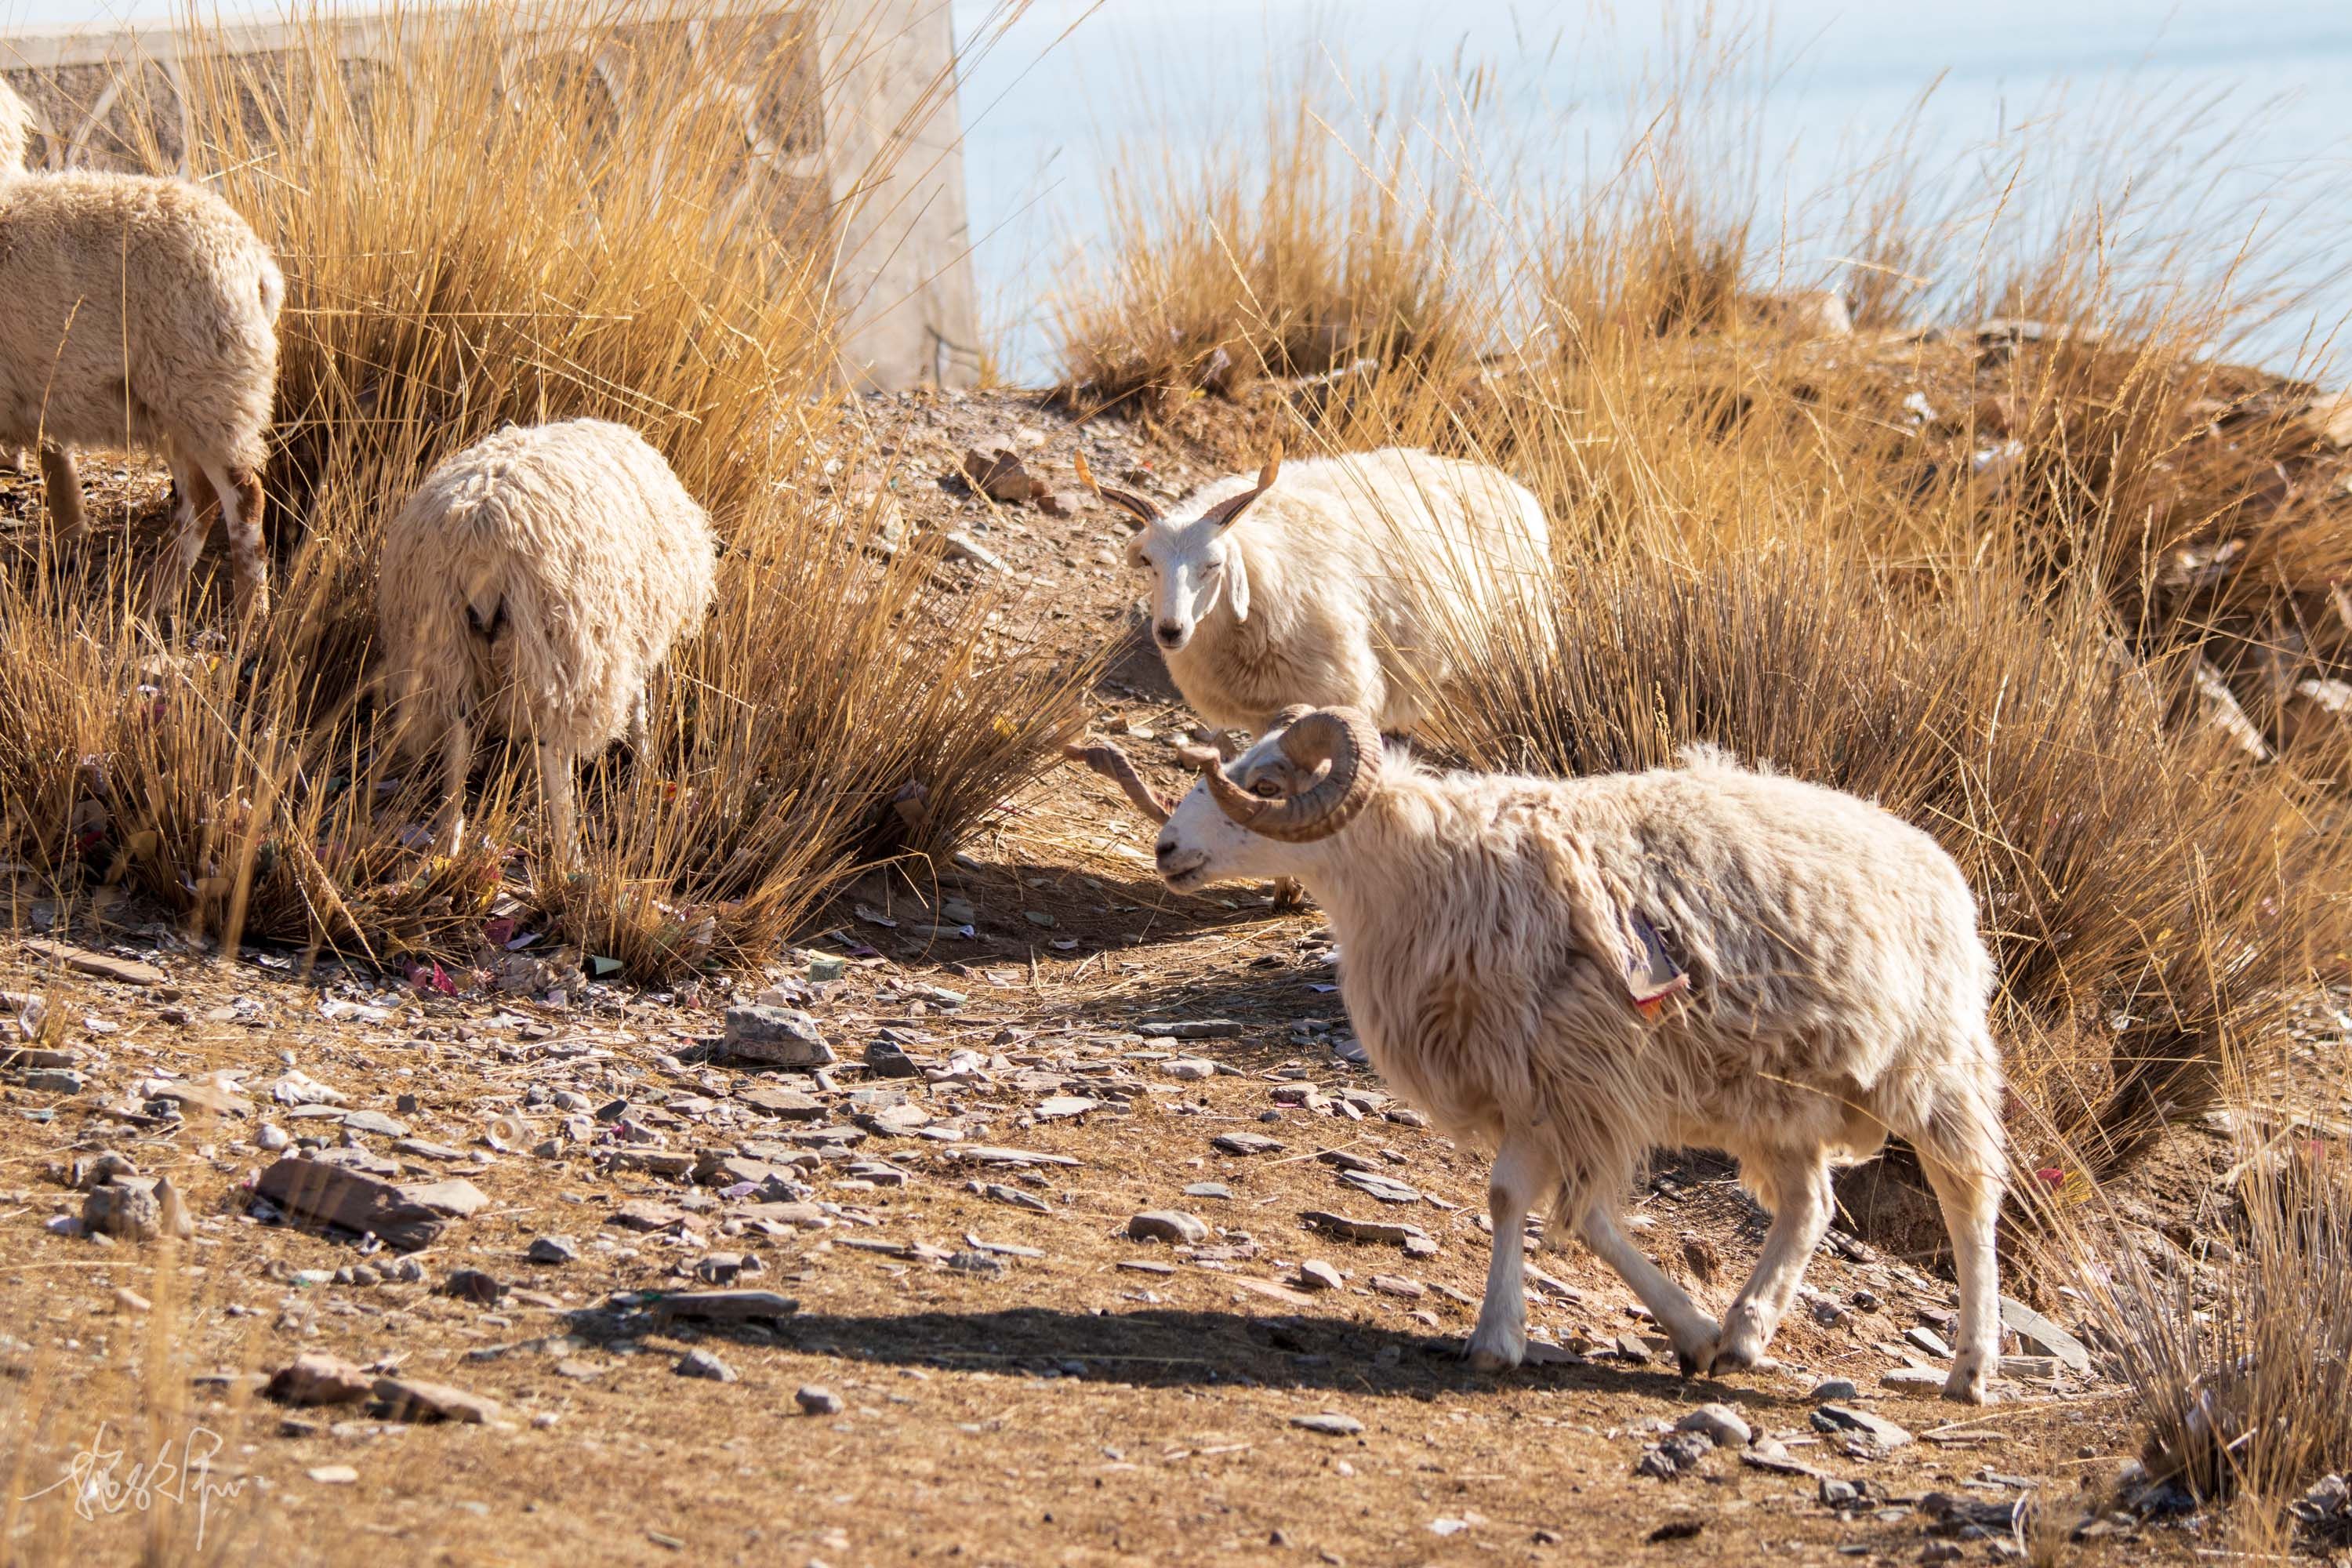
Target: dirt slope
[(984, 1364)]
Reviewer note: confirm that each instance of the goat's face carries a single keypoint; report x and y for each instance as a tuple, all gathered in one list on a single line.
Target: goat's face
[(1193, 564), (1200, 843)]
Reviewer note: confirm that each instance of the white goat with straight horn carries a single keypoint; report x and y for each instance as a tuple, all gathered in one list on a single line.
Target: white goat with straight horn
[(1575, 972)]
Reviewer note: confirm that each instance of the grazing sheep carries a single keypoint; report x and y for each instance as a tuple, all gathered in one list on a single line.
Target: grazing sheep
[(538, 580), (1577, 971), (1337, 585), (145, 310)]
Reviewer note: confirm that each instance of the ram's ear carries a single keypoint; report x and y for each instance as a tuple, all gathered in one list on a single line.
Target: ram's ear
[(1227, 513), (1238, 582)]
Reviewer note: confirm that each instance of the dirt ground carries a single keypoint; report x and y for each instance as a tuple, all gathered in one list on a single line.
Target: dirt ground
[(983, 1363)]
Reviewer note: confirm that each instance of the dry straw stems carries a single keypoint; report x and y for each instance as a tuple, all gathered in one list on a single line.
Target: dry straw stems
[(471, 238)]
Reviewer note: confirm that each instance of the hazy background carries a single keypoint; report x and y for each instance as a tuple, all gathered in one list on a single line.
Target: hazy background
[(2247, 108)]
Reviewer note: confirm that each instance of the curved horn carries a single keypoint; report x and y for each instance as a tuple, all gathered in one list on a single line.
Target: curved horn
[(1143, 509), (1340, 736), (1226, 512), (1113, 766), (1292, 715)]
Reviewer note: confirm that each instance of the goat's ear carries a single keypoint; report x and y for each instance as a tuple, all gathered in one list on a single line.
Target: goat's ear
[(1135, 556), (1228, 512), (1238, 582)]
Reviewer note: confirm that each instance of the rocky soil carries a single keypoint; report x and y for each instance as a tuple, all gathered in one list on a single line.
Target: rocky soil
[(1024, 1214)]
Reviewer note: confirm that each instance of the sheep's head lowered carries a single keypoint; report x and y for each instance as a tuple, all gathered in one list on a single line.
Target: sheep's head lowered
[(1191, 560), (1301, 783)]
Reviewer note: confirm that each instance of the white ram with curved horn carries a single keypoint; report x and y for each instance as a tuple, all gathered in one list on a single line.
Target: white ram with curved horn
[(1574, 971)]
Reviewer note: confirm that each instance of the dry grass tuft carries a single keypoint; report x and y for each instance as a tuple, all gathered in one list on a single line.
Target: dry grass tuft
[(2239, 1350), (469, 241), (1276, 260)]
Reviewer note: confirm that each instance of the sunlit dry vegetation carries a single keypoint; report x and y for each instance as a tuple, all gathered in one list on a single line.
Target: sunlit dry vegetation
[(1986, 523), (472, 235)]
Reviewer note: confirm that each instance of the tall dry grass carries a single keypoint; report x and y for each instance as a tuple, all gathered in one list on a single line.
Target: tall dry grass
[(1963, 565), (472, 235)]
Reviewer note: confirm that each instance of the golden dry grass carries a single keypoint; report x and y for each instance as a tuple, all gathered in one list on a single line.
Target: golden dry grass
[(468, 243)]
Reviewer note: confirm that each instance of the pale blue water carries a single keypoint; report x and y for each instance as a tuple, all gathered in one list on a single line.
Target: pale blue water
[(2269, 154)]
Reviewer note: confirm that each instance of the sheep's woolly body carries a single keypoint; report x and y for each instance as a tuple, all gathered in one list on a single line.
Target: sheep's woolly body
[(142, 311), (1837, 991), (533, 585), (1353, 565), (1838, 988)]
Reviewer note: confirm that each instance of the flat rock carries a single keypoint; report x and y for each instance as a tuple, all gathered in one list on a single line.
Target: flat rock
[(457, 1197), (1720, 1422), (105, 965), (1167, 1224), (374, 1121), (1246, 1143), (1881, 1433), (702, 1364), (1385, 1189), (773, 1036), (1189, 1069), (553, 1249), (999, 1193), (1913, 1378), (1208, 1190), (413, 1399), (2043, 1337), (1771, 1454), (1316, 1275), (1058, 1107), (984, 1155), (319, 1378), (1329, 1424), (325, 1193), (1389, 1233), (1192, 1028), (727, 1306), (788, 1103)]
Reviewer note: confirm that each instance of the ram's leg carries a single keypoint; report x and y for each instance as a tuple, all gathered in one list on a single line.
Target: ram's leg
[(63, 487), (249, 556), (1960, 1150), (1523, 1173), (457, 762), (555, 788), (1799, 1185), (1692, 1330)]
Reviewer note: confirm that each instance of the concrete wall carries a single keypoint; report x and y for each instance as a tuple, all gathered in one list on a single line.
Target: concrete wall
[(859, 108)]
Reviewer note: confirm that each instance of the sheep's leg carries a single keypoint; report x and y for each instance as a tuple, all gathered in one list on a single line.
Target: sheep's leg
[(191, 521), (555, 787), (456, 762), (1289, 893), (249, 557), (1522, 1171), (1693, 1331), (1960, 1150), (640, 725), (1801, 1214), (62, 485)]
